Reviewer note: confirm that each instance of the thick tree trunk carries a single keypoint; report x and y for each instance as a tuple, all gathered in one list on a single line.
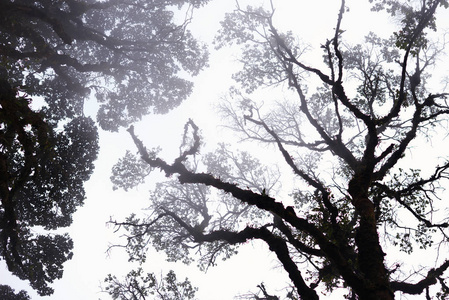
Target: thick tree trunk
[(376, 295), (370, 254)]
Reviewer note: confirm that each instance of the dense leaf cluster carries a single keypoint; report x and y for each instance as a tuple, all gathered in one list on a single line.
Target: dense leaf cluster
[(7, 293), (140, 286), (43, 170)]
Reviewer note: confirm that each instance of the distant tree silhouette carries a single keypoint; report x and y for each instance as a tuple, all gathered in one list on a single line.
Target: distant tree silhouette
[(140, 286)]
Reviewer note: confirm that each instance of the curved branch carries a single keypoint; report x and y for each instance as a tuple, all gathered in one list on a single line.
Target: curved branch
[(261, 201), (293, 241), (418, 288), (276, 244)]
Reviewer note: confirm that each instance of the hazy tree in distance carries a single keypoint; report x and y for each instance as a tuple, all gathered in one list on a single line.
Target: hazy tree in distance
[(140, 286), (344, 139), (54, 55)]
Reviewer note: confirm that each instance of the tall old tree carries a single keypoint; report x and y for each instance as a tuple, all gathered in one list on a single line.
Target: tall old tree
[(54, 55), (344, 132)]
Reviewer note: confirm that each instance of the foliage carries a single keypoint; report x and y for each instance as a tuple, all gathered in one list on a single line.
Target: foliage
[(345, 141), (130, 171), (7, 293), (191, 204), (127, 54), (138, 286), (43, 170), (54, 56)]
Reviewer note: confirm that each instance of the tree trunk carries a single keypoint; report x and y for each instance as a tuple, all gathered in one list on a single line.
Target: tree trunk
[(370, 254)]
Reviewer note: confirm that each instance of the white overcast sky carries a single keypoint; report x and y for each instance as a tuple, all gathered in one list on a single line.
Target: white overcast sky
[(313, 21)]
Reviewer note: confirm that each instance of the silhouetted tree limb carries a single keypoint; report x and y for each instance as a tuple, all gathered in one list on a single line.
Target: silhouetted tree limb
[(417, 288)]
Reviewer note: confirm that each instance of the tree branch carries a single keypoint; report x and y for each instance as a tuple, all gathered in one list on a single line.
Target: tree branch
[(418, 288), (263, 202)]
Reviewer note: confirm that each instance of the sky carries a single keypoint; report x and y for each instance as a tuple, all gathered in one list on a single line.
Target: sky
[(314, 22)]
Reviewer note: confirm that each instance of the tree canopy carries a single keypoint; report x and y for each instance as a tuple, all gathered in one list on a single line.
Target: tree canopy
[(139, 286), (343, 130), (7, 293), (128, 55), (134, 58)]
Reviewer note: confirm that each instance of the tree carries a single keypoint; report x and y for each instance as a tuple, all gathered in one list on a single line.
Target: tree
[(136, 286), (43, 170), (128, 54), (7, 293), (372, 102), (54, 55)]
